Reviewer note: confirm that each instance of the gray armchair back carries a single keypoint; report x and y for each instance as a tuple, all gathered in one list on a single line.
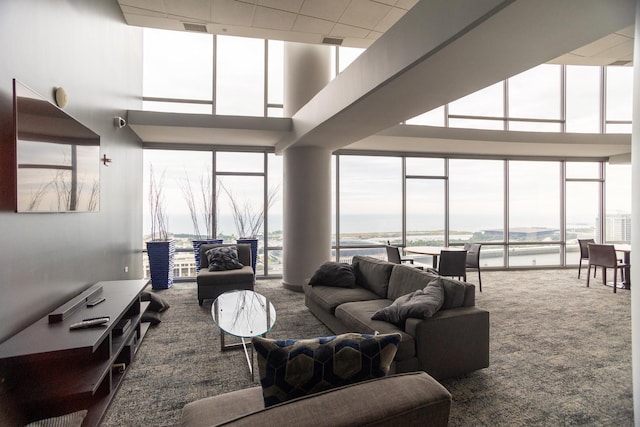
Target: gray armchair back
[(213, 283)]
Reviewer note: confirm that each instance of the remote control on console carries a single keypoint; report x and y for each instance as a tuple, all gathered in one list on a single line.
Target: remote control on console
[(91, 323)]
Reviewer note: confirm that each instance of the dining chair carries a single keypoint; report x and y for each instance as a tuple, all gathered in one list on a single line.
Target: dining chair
[(584, 253), (473, 259), (393, 255), (605, 256), (453, 264)]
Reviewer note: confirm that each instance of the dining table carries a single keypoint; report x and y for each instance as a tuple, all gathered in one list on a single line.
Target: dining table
[(433, 251), (625, 249)]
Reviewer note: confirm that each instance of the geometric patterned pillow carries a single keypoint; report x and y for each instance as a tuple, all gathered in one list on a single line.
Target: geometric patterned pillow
[(294, 368), (223, 258), (68, 420)]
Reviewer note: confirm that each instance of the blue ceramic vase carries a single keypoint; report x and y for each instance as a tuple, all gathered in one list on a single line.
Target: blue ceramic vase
[(161, 254)]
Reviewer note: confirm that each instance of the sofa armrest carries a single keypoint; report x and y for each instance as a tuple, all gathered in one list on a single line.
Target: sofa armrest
[(452, 342)]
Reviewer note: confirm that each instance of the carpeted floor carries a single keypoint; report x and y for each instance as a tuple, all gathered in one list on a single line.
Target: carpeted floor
[(560, 355)]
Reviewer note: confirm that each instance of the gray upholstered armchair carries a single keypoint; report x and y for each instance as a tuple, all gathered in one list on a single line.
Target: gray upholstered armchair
[(213, 283)]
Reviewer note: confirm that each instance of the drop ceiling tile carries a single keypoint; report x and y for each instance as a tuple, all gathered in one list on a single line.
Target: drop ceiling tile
[(406, 4), (374, 35), (390, 18), (191, 9), (265, 17), (601, 45), (286, 5), (628, 31), (153, 5), (364, 14), (330, 10), (307, 24), (232, 12), (341, 30), (387, 2), (129, 10), (154, 22), (623, 51)]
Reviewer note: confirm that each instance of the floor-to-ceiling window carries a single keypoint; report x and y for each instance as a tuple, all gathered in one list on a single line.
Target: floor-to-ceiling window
[(370, 204), (476, 205), (426, 204), (617, 225), (583, 205), (185, 182), (545, 206), (525, 212), (238, 196), (175, 78), (534, 213)]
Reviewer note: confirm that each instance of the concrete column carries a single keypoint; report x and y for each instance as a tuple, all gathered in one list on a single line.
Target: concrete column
[(307, 213), (307, 69), (307, 171), (635, 224)]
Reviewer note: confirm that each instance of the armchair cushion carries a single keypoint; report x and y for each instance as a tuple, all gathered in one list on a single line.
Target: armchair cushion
[(420, 304), (223, 258), (294, 368)]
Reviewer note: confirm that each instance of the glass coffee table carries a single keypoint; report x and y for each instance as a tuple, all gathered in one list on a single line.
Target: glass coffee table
[(243, 314)]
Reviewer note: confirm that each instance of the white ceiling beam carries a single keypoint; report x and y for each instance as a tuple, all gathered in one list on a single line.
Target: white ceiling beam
[(443, 50)]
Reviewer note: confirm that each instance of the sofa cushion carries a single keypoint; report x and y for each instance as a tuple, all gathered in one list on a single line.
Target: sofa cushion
[(223, 258), (454, 293), (356, 316), (334, 274), (420, 304), (372, 273), (405, 279), (329, 297), (294, 368)]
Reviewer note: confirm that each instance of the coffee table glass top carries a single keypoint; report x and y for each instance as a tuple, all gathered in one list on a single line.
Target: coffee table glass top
[(243, 314)]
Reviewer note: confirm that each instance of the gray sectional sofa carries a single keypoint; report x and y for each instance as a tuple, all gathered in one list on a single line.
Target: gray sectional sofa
[(453, 342)]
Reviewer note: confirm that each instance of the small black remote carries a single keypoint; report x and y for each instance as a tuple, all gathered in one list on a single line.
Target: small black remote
[(95, 302), (89, 323)]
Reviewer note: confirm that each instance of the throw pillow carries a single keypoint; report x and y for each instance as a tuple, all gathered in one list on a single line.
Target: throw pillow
[(223, 258), (156, 303), (293, 368), (334, 274), (420, 304), (454, 291), (152, 317), (73, 419)]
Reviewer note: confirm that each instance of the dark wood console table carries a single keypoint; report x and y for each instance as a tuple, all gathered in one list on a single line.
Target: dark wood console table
[(49, 370)]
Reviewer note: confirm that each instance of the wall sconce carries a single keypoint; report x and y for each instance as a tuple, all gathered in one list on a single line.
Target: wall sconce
[(119, 122), (61, 97), (105, 160)]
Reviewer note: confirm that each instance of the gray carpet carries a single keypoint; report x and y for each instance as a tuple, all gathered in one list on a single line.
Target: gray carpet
[(560, 355)]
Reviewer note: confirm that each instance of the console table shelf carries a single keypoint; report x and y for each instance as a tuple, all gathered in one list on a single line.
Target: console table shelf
[(50, 370)]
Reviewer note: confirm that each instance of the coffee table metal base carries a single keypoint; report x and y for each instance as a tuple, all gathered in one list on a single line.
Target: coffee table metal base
[(243, 344), (243, 314)]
